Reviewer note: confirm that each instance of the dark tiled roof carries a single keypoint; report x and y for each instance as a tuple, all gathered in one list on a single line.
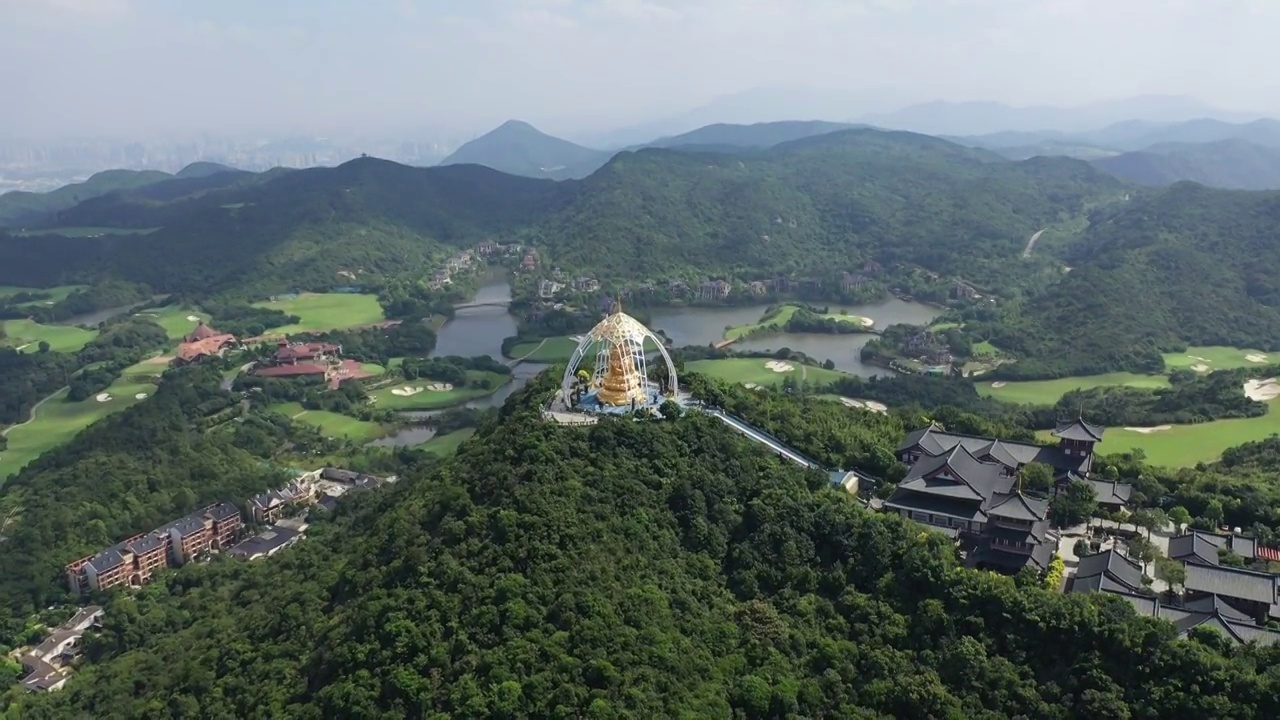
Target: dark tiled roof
[(1193, 548), (996, 557), (145, 544), (222, 511), (1018, 507), (107, 559), (1111, 493), (984, 478), (921, 502), (995, 451), (1232, 583), (1115, 566), (934, 441), (1215, 604), (188, 526), (1079, 430)]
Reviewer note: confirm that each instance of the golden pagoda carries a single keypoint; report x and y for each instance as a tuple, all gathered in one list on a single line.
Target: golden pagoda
[(620, 371), (622, 382)]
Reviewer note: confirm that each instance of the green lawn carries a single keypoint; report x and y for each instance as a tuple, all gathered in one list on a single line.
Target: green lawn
[(1217, 357), (1048, 392), (1186, 445), (57, 293), (774, 320), (553, 350), (754, 370), (331, 423), (848, 318), (175, 320), (57, 421), (84, 232), (373, 368), (447, 444), (327, 311), (62, 338), (385, 399)]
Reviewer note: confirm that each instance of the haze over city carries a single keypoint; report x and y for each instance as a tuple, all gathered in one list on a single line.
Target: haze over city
[(137, 69)]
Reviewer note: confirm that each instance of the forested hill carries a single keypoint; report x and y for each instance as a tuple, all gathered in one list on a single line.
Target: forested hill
[(1185, 265), (834, 200), (1232, 164), (633, 570)]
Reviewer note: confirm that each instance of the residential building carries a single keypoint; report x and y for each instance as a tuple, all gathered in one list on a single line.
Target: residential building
[(714, 290), (487, 248), (586, 284), (269, 506), (677, 288), (47, 664), (963, 291), (781, 283), (292, 353), (852, 282), (189, 538), (225, 523), (267, 543), (757, 288), (203, 342), (548, 288)]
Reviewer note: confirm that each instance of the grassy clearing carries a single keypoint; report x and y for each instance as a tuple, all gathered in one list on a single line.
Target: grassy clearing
[(943, 326), (373, 369), (57, 293), (1048, 392), (84, 232), (385, 399), (1186, 445), (331, 423), (1217, 357), (175, 320), (61, 338), (756, 371), (327, 311), (774, 320), (57, 421), (447, 444)]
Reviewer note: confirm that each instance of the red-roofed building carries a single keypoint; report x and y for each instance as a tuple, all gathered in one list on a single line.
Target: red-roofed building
[(203, 342), (292, 370), (202, 332), (287, 353)]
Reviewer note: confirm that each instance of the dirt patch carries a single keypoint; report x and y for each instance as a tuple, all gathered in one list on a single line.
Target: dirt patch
[(997, 384), (1149, 430), (780, 366), (406, 391), (1256, 358), (1262, 390)]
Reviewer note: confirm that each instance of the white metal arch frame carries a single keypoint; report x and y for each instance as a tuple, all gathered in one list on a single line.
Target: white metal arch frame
[(621, 331)]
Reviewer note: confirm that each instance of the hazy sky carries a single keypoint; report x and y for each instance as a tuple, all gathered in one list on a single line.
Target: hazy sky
[(136, 67)]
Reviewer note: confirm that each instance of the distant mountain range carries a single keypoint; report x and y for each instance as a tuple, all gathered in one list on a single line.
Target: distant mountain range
[(21, 208), (1232, 164)]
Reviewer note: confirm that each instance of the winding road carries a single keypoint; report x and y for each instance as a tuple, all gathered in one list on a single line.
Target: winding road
[(32, 417), (1026, 253)]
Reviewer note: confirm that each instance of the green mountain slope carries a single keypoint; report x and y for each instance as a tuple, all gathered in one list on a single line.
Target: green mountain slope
[(757, 135), (518, 148), (834, 200), (646, 570), (1232, 164), (20, 208), (1184, 265), (294, 231)]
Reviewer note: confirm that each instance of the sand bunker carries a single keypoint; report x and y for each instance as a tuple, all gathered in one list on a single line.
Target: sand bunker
[(1201, 359), (1256, 358), (872, 405), (780, 366), (998, 384), (103, 397), (406, 391), (1149, 430), (140, 396), (751, 386), (440, 387), (1262, 390), (193, 318), (1200, 367)]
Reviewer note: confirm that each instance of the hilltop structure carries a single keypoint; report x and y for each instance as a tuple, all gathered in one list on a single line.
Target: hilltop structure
[(619, 379)]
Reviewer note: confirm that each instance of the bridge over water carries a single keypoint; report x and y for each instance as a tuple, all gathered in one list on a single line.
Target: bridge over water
[(482, 303)]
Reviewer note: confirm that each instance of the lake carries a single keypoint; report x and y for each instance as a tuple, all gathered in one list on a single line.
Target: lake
[(706, 325)]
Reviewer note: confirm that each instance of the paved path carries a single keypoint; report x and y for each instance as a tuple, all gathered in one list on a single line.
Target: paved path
[(1032, 243), (516, 361), (752, 434), (31, 419)]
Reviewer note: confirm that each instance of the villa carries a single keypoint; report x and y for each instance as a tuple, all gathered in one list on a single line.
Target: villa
[(203, 342)]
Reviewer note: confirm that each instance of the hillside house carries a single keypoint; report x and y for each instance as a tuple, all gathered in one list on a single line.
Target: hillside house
[(714, 290)]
